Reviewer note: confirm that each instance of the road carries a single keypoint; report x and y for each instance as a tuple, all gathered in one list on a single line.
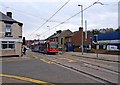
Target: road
[(53, 69)]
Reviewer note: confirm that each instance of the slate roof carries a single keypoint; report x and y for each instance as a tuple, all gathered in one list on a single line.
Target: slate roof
[(4, 17), (72, 34)]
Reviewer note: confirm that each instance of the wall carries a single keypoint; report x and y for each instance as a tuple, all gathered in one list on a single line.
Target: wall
[(16, 32), (1, 29), (76, 40), (63, 35)]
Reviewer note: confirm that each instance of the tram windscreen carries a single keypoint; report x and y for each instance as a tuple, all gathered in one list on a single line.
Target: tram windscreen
[(53, 45)]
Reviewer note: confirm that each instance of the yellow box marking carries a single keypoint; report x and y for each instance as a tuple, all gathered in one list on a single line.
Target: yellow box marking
[(68, 60), (26, 79), (46, 61)]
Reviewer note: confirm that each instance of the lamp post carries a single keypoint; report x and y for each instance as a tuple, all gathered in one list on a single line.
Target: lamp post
[(82, 19), (82, 24)]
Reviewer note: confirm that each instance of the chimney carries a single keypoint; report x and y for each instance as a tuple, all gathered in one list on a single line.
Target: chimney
[(59, 31), (80, 28), (9, 14)]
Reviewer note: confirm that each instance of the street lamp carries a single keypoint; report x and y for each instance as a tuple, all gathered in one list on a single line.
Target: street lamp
[(82, 24), (82, 19)]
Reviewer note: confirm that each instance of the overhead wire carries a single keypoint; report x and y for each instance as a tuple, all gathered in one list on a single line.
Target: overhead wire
[(51, 17), (23, 12), (70, 17)]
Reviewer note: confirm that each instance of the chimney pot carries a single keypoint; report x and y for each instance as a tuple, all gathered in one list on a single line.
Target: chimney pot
[(9, 14), (59, 31), (80, 28)]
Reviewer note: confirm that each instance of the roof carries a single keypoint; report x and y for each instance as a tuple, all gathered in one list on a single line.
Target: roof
[(72, 34), (58, 34), (4, 17)]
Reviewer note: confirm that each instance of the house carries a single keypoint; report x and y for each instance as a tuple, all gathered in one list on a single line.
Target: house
[(76, 40), (10, 36), (59, 36)]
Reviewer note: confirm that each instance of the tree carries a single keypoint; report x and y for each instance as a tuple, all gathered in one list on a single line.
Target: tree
[(95, 31), (118, 29)]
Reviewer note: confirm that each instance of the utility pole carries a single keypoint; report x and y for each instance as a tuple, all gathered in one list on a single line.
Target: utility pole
[(82, 24), (86, 40)]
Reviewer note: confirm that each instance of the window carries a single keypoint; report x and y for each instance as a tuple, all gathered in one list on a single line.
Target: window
[(8, 30), (8, 45), (53, 45), (61, 41)]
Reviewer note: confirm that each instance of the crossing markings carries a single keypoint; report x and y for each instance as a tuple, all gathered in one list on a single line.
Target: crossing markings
[(26, 79), (67, 59)]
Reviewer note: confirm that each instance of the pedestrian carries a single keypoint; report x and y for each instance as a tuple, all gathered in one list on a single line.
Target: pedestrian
[(24, 50)]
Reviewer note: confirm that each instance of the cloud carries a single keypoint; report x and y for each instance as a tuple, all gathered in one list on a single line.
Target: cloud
[(30, 13)]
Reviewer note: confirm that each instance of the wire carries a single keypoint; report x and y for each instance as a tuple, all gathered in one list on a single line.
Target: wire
[(50, 17), (23, 12), (71, 17)]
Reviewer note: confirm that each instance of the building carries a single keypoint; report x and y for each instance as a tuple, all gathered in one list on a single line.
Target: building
[(108, 41), (76, 40), (10, 36), (59, 36)]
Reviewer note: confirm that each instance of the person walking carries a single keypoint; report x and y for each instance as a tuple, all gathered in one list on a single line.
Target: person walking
[(24, 50)]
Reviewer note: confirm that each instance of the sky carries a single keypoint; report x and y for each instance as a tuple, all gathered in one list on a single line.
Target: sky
[(33, 13)]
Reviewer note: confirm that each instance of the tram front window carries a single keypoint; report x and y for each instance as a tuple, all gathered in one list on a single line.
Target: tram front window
[(53, 45)]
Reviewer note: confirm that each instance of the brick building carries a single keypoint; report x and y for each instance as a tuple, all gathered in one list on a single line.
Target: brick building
[(76, 39)]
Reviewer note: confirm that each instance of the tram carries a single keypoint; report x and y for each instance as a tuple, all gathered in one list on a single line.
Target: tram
[(49, 47)]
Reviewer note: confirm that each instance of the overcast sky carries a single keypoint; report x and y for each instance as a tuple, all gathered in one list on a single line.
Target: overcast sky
[(33, 13)]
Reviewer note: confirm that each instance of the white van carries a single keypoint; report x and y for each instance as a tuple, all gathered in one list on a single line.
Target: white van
[(112, 47)]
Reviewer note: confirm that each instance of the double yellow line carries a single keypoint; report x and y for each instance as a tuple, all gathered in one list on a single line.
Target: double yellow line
[(26, 79)]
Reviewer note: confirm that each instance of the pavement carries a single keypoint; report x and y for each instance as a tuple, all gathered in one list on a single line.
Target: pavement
[(24, 57), (106, 57)]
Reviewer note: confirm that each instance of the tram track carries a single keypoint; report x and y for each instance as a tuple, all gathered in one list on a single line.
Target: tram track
[(104, 81), (100, 66), (96, 77)]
